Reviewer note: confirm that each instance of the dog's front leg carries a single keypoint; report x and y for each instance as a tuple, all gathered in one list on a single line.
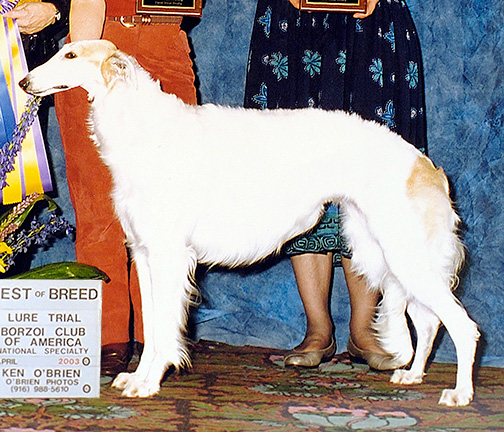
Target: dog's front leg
[(165, 284)]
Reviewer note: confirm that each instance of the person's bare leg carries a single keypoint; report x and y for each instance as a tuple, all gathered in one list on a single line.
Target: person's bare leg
[(363, 306), (313, 276)]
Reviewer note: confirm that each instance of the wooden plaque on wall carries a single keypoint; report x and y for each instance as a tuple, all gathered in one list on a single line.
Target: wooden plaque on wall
[(333, 5), (169, 7)]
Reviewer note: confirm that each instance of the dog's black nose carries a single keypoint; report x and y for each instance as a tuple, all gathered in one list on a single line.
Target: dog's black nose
[(24, 83)]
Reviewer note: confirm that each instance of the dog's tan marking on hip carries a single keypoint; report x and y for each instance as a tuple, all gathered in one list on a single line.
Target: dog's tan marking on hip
[(428, 185), (424, 177)]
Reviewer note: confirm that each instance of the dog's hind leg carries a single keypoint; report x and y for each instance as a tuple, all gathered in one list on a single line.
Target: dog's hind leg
[(166, 277), (391, 325), (426, 325), (368, 260), (425, 272), (431, 295), (428, 285), (464, 333)]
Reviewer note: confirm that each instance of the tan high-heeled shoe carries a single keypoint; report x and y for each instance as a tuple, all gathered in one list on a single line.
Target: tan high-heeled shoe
[(375, 360), (310, 358)]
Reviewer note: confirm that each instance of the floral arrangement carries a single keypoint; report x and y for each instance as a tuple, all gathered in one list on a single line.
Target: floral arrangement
[(21, 228), (14, 241)]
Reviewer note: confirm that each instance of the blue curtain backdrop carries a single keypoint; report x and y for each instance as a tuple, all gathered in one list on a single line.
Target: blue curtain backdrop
[(463, 47)]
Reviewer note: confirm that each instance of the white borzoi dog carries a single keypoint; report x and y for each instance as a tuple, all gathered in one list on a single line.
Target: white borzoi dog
[(220, 185)]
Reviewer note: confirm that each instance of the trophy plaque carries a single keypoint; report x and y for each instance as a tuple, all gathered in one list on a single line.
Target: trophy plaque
[(333, 5), (50, 338), (169, 7)]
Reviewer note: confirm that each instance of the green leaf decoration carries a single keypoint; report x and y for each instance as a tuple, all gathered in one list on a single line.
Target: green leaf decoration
[(64, 270)]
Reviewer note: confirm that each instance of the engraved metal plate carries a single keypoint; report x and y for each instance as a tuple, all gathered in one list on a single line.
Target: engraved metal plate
[(333, 5), (169, 7)]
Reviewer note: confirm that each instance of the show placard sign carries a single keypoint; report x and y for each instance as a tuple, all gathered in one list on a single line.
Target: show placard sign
[(50, 338)]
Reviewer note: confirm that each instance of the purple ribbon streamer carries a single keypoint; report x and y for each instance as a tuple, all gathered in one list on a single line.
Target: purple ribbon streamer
[(7, 6)]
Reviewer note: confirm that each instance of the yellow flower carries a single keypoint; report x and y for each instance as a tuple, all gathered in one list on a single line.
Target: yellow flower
[(5, 248)]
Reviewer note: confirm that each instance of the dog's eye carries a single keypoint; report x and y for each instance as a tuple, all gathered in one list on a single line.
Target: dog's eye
[(70, 55)]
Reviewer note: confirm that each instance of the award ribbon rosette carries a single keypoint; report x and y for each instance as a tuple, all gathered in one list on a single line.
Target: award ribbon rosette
[(31, 168)]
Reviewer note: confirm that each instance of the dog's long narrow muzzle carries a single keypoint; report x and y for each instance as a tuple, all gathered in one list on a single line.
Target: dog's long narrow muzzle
[(26, 85)]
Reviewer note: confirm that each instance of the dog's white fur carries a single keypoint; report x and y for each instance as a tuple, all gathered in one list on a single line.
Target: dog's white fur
[(220, 185)]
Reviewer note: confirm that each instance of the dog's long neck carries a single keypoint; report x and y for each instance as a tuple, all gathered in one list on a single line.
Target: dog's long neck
[(120, 118)]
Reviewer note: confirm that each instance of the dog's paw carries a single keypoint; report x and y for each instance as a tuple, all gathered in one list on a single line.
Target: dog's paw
[(406, 377), (456, 397), (134, 386)]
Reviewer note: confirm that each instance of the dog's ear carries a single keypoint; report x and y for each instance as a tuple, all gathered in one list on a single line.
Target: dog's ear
[(118, 67)]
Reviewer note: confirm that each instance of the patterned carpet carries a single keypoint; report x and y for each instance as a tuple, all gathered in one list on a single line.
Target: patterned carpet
[(248, 389)]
